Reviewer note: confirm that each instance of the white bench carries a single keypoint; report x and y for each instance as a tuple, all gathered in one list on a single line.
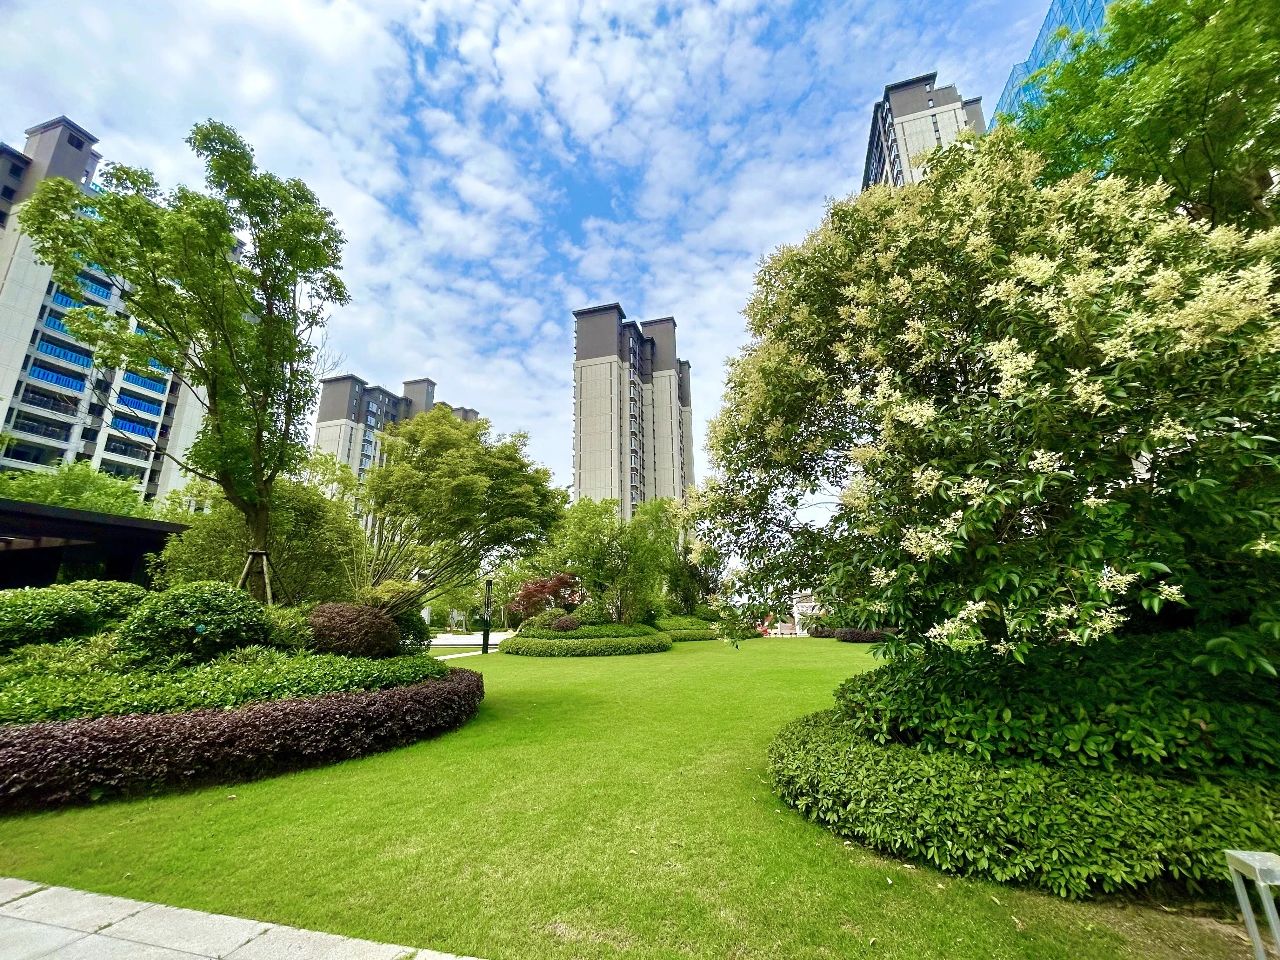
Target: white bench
[(1264, 870)]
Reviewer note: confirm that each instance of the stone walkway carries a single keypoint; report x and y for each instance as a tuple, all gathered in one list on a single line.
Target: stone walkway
[(59, 923)]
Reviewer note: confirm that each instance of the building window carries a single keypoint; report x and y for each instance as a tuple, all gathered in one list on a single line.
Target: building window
[(931, 101), (7, 192), (16, 170), (4, 218), (75, 142)]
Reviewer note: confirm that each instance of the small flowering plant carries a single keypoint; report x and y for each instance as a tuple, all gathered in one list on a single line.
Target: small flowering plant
[(989, 412)]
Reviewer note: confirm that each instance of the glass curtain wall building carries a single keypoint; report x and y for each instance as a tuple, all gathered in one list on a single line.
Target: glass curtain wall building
[(1078, 16)]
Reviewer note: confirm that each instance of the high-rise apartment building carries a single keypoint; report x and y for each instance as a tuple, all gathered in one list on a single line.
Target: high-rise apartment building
[(1077, 16), (58, 402), (913, 117), (633, 417), (352, 415)]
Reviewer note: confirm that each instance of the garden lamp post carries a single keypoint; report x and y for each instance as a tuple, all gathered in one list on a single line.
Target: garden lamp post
[(488, 615)]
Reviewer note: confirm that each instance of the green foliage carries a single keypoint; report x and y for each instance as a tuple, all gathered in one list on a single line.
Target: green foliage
[(1180, 91), (543, 620), (567, 645), (311, 541), (195, 621), (450, 501), (353, 630), (112, 599), (592, 613), (1034, 412), (45, 615), (704, 611), (686, 636), (682, 623), (590, 632), (1069, 830), (290, 627), (75, 485), (232, 287), (1140, 702), (91, 680), (414, 632)]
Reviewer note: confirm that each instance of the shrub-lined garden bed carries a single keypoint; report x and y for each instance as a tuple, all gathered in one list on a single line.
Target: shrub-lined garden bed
[(1070, 829), (685, 636), (590, 632), (76, 761), (570, 646)]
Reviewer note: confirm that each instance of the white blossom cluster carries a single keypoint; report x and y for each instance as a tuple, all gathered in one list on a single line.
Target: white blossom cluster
[(925, 542), (959, 629), (1113, 581), (1045, 461)]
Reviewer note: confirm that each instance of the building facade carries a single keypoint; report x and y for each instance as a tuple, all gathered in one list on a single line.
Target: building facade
[(1077, 16), (633, 416), (352, 416), (913, 117), (58, 401)]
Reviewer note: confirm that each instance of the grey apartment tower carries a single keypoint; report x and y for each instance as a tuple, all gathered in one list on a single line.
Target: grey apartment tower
[(913, 117), (633, 419)]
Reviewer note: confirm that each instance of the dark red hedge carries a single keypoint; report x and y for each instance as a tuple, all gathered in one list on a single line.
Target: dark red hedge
[(75, 761)]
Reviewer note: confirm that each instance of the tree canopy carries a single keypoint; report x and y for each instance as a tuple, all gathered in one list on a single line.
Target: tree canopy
[(229, 287), (984, 410), (1183, 91), (77, 485)]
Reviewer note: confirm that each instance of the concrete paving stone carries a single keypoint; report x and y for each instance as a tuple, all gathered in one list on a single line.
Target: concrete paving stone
[(209, 934), (63, 907), (11, 889), (26, 939), (289, 943), (97, 947)]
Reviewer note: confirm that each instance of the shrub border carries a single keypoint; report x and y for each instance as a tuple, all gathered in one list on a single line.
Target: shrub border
[(79, 761), (690, 636), (593, 647)]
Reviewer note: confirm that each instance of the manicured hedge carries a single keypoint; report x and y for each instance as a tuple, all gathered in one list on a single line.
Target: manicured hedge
[(60, 683), (672, 624), (1139, 702), (353, 630), (591, 632), (1071, 830), (49, 764), (523, 646), (46, 615), (847, 634), (195, 621), (684, 636)]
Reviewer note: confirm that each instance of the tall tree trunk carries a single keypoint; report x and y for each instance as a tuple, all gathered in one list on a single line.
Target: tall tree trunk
[(257, 572)]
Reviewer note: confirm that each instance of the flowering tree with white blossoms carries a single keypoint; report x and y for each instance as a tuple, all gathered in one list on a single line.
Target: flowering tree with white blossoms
[(984, 411)]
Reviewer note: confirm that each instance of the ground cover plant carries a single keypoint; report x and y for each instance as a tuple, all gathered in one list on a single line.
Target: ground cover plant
[(624, 806)]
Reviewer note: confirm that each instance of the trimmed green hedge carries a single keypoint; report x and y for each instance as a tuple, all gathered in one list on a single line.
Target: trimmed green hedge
[(591, 632), (195, 622), (1139, 702), (1071, 830), (91, 680), (523, 646), (46, 615), (684, 636), (672, 624)]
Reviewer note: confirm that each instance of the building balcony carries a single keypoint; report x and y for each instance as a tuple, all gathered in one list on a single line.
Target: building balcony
[(46, 375), (121, 449), (36, 428), (50, 403), (134, 427), (54, 323), (142, 406), (147, 383), (155, 364), (123, 471), (62, 300), (94, 289), (63, 354)]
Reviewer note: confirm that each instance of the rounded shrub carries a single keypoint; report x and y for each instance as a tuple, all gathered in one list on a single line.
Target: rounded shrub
[(46, 615), (414, 632), (523, 646), (687, 636), (353, 630), (1140, 702), (290, 627), (565, 624), (592, 612), (114, 599), (195, 621), (671, 624), (543, 620), (854, 635), (1070, 830)]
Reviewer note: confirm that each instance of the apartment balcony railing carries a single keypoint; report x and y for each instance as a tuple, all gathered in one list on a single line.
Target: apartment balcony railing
[(138, 380), (155, 364), (127, 450), (58, 379), (134, 427), (62, 300), (49, 403), (124, 472), (61, 434), (144, 406), (62, 353), (94, 288), (53, 323)]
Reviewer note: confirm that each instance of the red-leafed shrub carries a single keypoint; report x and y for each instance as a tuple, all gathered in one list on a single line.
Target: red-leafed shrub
[(854, 635), (75, 761), (353, 630), (560, 590), (562, 624)]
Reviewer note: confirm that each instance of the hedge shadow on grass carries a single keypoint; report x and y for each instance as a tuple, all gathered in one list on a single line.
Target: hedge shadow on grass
[(79, 761)]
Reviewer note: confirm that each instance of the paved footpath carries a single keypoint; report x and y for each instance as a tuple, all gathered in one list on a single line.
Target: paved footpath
[(59, 923)]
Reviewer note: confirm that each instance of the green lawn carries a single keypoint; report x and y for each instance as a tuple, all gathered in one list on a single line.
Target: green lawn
[(445, 651), (610, 807)]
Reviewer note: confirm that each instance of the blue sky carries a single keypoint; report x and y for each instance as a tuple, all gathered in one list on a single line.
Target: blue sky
[(497, 164)]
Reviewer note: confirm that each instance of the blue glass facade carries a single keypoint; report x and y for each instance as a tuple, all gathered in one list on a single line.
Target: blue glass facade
[(1078, 16)]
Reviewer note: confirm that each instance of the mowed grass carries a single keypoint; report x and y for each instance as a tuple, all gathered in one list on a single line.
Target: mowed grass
[(595, 808)]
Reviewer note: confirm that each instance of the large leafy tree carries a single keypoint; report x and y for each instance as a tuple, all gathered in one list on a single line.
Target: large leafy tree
[(1183, 91), (449, 502), (229, 286), (987, 411), (76, 485)]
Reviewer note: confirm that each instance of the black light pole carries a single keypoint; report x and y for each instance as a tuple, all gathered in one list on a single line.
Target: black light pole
[(488, 615)]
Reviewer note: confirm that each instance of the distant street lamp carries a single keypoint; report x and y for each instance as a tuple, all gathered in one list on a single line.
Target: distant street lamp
[(488, 615)]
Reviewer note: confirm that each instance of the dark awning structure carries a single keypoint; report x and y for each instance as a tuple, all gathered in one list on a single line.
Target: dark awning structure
[(37, 540)]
